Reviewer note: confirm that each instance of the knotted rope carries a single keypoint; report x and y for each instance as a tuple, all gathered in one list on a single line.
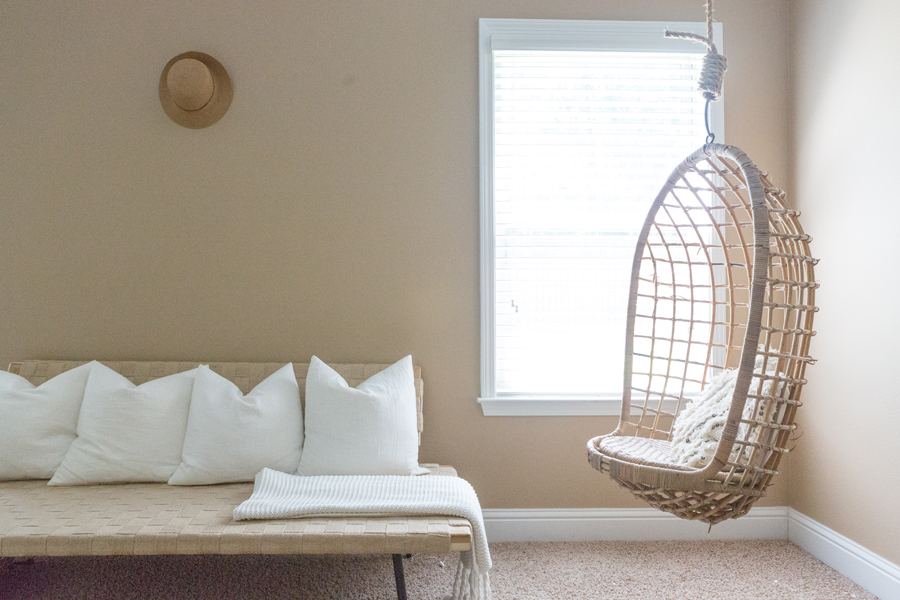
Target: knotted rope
[(712, 73)]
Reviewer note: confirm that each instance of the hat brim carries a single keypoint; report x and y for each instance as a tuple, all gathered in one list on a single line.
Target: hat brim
[(213, 110)]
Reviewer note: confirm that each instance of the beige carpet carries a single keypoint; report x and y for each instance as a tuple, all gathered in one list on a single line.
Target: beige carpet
[(608, 570)]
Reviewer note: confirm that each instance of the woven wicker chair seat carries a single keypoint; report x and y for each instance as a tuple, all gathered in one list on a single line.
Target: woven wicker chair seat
[(638, 450)]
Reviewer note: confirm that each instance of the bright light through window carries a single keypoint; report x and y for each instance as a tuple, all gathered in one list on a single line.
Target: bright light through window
[(582, 143)]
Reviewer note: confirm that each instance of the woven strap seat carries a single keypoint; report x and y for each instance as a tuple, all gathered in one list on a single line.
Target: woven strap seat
[(156, 518)]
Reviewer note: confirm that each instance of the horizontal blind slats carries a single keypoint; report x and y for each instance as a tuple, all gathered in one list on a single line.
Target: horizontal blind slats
[(582, 143)]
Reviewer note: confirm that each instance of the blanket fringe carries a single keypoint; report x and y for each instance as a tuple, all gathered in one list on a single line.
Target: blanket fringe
[(470, 584)]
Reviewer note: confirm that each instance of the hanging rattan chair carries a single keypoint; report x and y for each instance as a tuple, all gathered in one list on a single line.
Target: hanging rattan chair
[(722, 276)]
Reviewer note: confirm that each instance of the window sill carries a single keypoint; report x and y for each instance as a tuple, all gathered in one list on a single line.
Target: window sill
[(557, 406), (550, 406)]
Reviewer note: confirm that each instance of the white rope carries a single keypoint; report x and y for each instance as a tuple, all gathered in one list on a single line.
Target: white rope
[(712, 73)]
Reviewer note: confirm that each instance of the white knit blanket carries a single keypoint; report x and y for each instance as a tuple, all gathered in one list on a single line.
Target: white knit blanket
[(278, 495)]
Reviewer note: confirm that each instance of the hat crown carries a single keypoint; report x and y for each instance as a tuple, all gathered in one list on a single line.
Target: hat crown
[(190, 83)]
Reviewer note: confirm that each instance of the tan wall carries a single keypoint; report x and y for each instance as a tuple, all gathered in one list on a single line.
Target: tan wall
[(847, 126), (333, 210)]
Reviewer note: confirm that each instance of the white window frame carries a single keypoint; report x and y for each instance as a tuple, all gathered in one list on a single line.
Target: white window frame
[(545, 34)]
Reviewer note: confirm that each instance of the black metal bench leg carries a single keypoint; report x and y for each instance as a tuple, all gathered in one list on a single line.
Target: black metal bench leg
[(399, 578)]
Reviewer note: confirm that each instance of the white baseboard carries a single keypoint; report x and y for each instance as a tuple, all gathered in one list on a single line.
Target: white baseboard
[(875, 574), (872, 572), (627, 524)]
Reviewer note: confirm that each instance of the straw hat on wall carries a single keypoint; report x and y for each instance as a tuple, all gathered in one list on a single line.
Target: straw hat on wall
[(194, 89)]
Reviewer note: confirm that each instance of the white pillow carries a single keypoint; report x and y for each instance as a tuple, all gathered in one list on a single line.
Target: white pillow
[(370, 430), (38, 423), (232, 437), (698, 428), (127, 432)]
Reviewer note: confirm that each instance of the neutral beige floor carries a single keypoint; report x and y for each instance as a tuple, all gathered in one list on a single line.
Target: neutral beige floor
[(608, 570)]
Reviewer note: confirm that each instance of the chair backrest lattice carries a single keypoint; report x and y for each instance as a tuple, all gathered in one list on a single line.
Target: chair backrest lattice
[(722, 279)]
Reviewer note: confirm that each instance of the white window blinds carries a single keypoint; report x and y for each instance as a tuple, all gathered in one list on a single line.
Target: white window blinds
[(582, 143)]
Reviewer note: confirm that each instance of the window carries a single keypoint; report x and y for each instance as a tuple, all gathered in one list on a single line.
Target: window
[(581, 122)]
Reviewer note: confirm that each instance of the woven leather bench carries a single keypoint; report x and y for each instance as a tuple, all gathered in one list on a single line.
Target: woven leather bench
[(156, 518)]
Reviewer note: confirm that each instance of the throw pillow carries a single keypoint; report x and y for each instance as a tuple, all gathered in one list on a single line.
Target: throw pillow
[(369, 430), (128, 433), (38, 423), (232, 437), (698, 428)]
